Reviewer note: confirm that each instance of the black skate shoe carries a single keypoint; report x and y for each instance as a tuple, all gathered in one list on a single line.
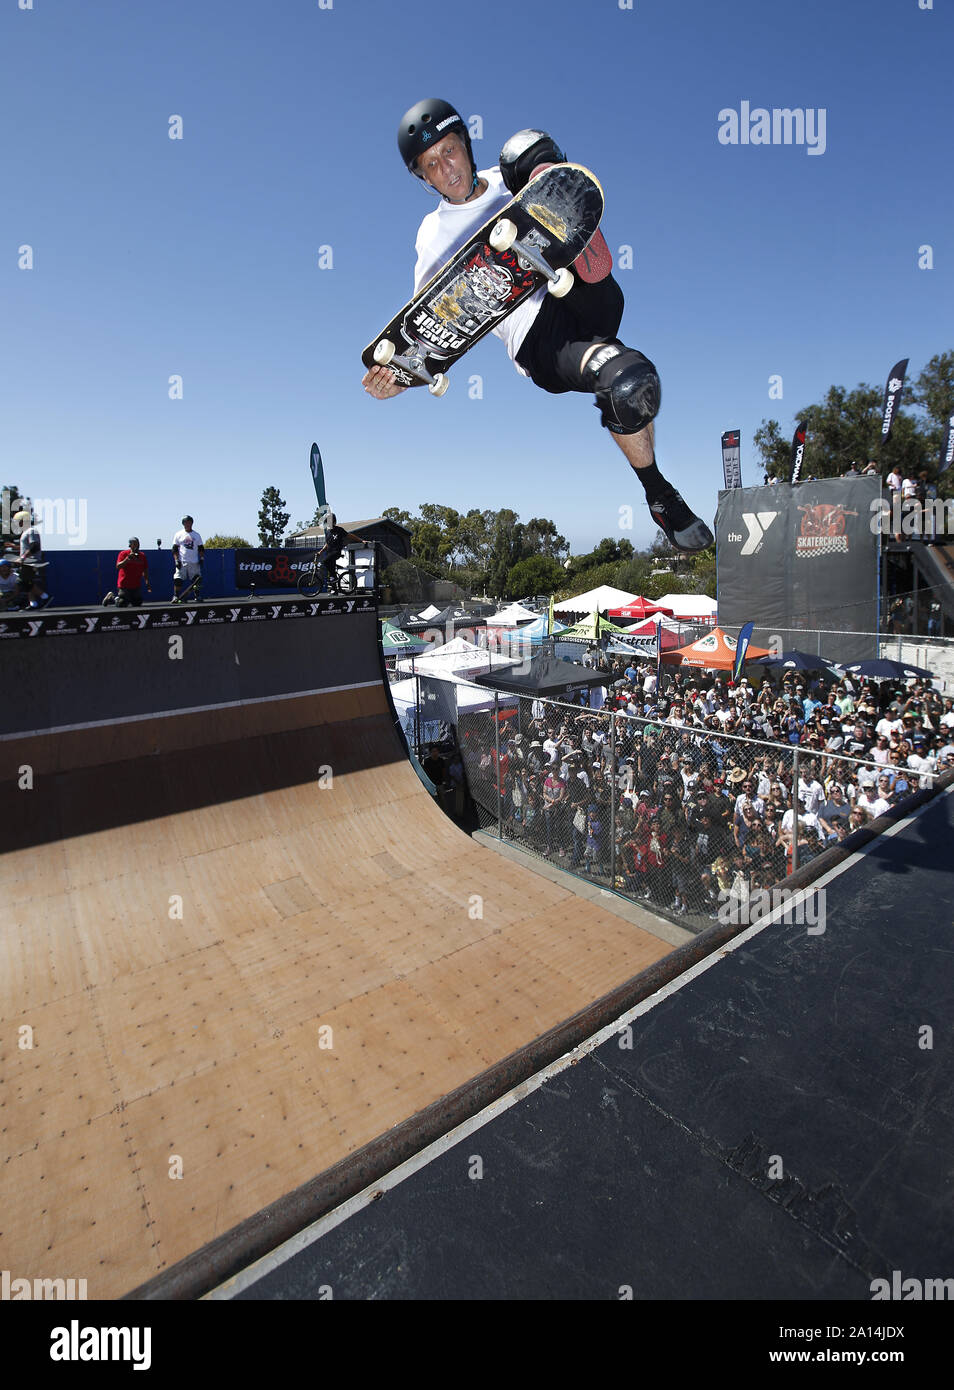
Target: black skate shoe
[(682, 527)]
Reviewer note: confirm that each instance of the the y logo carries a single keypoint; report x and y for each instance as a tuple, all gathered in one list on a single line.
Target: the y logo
[(756, 523)]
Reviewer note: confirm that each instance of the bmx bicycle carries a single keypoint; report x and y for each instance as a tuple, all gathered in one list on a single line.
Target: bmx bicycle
[(318, 573)]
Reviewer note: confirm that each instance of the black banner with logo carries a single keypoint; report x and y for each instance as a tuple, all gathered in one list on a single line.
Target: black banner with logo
[(800, 558), (731, 459), (892, 397), (947, 447), (270, 569), (49, 623), (797, 454)]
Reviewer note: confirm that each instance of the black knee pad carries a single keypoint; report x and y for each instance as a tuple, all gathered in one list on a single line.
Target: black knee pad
[(627, 387)]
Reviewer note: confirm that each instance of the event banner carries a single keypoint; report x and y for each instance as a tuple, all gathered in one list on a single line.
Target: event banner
[(731, 459), (797, 454), (947, 447), (49, 622), (270, 569), (801, 558), (892, 397)]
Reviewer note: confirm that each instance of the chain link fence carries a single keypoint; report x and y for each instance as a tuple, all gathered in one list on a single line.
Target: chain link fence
[(674, 816)]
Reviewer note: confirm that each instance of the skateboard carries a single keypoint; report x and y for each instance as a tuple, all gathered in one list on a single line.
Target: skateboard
[(532, 241), (194, 587)]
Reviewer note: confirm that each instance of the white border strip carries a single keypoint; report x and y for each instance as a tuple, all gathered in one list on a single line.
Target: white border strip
[(192, 709), (286, 1251)]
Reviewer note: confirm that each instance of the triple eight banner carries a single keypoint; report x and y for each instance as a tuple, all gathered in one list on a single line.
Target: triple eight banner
[(801, 558), (731, 459)]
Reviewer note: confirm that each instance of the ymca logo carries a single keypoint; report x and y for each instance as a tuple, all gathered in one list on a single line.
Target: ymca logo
[(756, 524)]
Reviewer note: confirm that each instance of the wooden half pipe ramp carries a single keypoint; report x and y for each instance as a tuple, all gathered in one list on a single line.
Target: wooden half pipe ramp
[(238, 941)]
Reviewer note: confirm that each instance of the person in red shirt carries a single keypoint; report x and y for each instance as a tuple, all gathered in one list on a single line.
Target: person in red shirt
[(132, 569)]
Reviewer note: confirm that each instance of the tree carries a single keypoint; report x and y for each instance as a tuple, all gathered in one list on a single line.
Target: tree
[(540, 537), (845, 428), (538, 574), (228, 543), (272, 520), (505, 551), (933, 393)]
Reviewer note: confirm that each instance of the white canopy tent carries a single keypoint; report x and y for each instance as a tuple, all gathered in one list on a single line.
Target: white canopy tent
[(597, 600), (689, 607), (455, 658), (511, 617)]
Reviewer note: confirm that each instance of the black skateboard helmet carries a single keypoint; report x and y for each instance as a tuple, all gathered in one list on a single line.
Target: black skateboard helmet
[(424, 124)]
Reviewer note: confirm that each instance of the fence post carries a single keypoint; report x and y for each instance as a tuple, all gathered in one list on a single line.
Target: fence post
[(794, 807), (614, 785), (497, 750)]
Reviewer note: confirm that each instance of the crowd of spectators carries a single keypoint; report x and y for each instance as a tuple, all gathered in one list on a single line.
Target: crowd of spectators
[(698, 787)]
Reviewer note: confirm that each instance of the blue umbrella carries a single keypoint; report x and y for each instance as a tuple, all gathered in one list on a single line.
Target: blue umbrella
[(885, 667), (795, 661)]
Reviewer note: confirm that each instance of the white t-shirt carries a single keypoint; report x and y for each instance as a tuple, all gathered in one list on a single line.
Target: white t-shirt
[(445, 230), (8, 582), (185, 547), (31, 545)]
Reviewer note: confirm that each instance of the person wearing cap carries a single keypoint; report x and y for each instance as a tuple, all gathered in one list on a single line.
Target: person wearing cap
[(875, 800), (9, 584), (188, 552), (132, 572), (562, 344)]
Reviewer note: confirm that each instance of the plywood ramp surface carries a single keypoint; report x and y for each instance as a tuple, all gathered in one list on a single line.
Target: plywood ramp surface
[(285, 952)]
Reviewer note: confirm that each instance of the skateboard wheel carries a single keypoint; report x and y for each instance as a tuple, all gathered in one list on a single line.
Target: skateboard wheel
[(503, 235), (439, 385), (562, 284), (384, 352)]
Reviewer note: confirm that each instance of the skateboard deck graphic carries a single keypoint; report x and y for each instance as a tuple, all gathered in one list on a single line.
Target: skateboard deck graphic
[(529, 243)]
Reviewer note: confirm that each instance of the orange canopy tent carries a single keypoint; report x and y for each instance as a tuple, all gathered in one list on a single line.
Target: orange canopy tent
[(715, 651)]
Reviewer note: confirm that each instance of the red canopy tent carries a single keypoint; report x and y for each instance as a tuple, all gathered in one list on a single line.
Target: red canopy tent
[(715, 652), (639, 608)]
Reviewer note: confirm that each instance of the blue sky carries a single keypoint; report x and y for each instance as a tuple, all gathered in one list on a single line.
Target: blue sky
[(199, 257)]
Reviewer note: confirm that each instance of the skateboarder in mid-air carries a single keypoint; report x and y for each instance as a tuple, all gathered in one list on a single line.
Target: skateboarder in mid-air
[(566, 344)]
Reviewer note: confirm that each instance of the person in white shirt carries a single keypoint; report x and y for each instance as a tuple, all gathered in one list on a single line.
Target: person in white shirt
[(810, 793), (189, 554), (566, 344), (31, 559), (873, 801)]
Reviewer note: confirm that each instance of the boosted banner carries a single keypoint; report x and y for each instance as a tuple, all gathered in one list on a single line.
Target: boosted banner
[(892, 397), (947, 447), (731, 459), (803, 558)]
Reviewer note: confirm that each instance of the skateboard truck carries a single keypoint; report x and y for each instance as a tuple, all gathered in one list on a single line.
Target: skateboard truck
[(384, 356), (504, 236)]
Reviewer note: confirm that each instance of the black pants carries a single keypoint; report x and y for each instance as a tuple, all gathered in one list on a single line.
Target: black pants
[(564, 329)]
